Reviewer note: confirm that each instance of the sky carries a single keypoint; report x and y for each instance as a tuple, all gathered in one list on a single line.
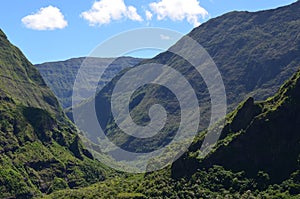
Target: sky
[(55, 30)]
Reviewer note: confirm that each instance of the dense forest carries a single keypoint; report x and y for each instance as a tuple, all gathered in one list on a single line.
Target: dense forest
[(43, 154)]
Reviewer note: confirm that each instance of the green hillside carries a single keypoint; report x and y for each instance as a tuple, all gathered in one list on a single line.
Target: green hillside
[(258, 153), (257, 157), (258, 136), (40, 150), (255, 53), (21, 80)]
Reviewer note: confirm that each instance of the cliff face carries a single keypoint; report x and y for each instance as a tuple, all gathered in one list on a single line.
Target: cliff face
[(40, 150), (60, 76), (257, 155), (258, 136), (254, 52)]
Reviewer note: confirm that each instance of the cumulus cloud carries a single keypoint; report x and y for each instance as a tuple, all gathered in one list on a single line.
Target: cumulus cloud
[(48, 18), (148, 15), (132, 14), (105, 11), (164, 37), (178, 10)]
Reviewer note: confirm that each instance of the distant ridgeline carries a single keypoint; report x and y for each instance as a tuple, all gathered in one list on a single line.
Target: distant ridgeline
[(60, 76), (257, 155), (255, 53)]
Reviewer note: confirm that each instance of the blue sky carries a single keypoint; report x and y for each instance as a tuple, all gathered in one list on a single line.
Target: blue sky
[(60, 29)]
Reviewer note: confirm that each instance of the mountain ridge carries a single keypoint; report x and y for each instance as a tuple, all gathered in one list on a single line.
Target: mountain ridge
[(259, 136), (215, 176), (40, 149), (257, 155), (254, 52), (60, 75)]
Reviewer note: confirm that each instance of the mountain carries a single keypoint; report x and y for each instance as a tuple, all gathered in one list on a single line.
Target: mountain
[(255, 53), (256, 157), (40, 150), (258, 136), (60, 76), (20, 80)]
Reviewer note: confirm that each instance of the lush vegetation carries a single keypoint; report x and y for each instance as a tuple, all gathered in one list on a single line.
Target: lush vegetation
[(22, 81), (40, 150), (258, 153), (255, 53), (214, 183), (255, 158), (41, 153)]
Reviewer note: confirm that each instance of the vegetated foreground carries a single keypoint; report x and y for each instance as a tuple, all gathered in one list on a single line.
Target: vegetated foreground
[(41, 153)]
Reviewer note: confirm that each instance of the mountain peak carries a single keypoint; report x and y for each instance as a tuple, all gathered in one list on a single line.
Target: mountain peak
[(2, 34), (39, 147), (21, 80), (258, 136)]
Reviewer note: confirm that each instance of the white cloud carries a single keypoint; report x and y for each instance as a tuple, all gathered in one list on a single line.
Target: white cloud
[(48, 18), (132, 14), (178, 10), (105, 11), (164, 37), (148, 15)]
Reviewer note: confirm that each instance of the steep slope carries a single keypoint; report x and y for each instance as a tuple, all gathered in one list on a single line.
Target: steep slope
[(255, 53), (257, 157), (40, 150), (60, 76), (258, 136), (22, 81)]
